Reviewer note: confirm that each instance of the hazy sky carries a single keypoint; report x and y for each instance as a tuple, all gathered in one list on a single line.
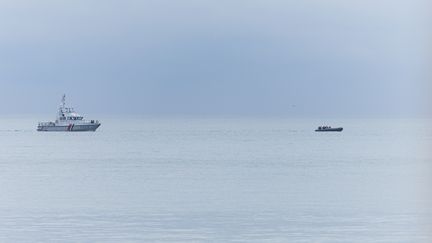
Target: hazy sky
[(315, 58)]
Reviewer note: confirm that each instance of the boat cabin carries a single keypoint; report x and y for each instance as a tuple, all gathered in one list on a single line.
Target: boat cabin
[(324, 127)]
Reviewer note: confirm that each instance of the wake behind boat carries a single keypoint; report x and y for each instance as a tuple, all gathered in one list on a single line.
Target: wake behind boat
[(68, 121), (328, 129)]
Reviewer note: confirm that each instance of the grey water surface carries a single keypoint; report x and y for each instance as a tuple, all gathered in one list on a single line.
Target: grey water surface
[(217, 180)]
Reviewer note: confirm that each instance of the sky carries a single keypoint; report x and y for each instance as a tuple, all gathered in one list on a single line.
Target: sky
[(309, 58)]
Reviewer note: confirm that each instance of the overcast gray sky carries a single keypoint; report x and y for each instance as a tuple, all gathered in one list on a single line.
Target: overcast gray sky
[(312, 58)]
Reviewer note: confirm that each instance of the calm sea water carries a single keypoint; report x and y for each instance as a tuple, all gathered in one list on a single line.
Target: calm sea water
[(217, 180)]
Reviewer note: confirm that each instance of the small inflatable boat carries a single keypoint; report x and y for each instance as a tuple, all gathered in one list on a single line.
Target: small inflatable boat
[(329, 129)]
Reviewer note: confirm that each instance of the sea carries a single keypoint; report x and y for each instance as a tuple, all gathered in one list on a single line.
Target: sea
[(217, 180)]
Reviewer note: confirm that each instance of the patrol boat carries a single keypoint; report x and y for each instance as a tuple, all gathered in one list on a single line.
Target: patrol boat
[(68, 121)]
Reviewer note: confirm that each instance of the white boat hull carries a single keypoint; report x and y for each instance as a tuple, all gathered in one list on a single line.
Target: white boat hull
[(69, 128)]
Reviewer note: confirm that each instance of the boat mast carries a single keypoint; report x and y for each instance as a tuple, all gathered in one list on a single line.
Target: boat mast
[(61, 108), (63, 101)]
